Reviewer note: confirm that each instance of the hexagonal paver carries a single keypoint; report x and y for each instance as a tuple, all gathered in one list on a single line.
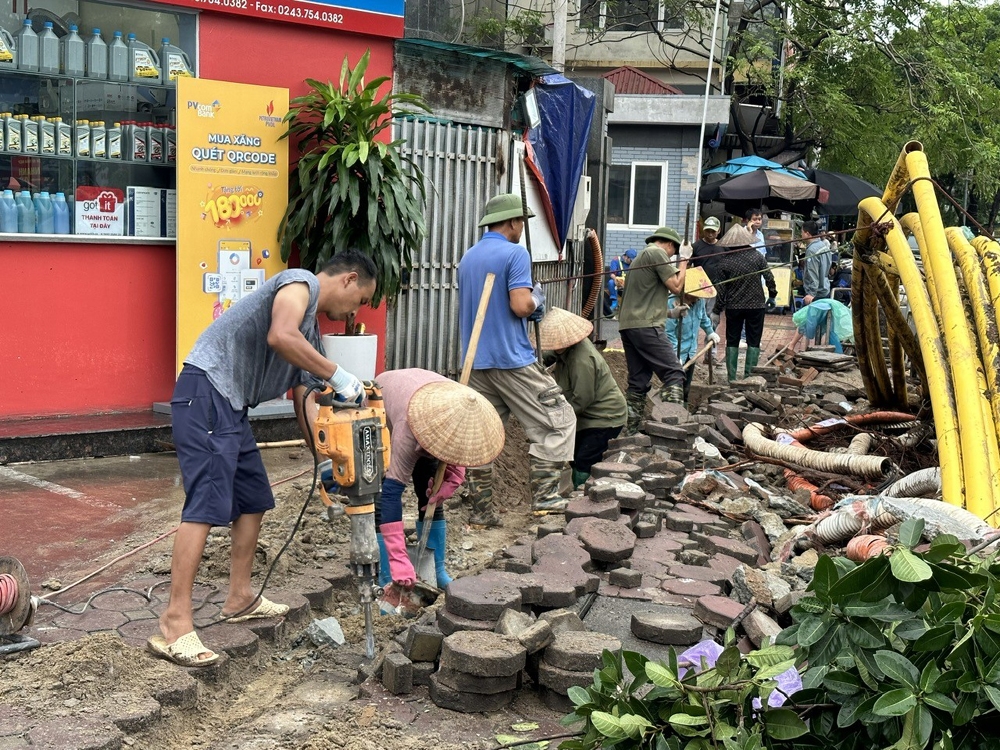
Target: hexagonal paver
[(672, 629), (579, 650), (482, 597), (607, 541), (483, 654)]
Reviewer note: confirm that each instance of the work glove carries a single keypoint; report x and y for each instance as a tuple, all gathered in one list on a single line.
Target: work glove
[(771, 303), (678, 311), (400, 567), (347, 388), (713, 338), (685, 252), (538, 297), (453, 478)]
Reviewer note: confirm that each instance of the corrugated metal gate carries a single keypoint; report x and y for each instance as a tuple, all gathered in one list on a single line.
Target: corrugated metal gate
[(460, 166)]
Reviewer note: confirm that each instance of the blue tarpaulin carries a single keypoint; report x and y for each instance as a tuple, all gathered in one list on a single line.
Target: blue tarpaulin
[(557, 149)]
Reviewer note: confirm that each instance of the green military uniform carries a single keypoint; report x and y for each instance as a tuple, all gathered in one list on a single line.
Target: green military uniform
[(646, 303)]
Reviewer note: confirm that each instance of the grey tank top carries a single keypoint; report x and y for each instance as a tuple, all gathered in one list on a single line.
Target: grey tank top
[(234, 353)]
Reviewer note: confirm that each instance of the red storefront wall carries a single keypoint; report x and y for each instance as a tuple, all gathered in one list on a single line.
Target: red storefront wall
[(90, 328)]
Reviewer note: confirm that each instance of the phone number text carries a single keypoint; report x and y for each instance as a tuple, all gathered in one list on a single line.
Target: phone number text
[(288, 11)]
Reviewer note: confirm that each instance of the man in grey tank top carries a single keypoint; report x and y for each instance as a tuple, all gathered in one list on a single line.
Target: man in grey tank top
[(264, 345)]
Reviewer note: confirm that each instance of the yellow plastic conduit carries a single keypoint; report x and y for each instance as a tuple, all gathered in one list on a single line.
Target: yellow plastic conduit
[(989, 256), (938, 380), (962, 356)]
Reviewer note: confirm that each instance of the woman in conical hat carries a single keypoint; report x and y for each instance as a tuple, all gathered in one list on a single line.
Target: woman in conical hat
[(683, 332), (431, 419), (586, 380)]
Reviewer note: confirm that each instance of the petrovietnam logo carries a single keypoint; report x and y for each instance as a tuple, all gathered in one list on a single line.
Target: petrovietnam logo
[(268, 118), (204, 110)]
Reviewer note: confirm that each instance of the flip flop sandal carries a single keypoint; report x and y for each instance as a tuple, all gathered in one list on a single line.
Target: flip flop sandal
[(184, 652), (265, 609)]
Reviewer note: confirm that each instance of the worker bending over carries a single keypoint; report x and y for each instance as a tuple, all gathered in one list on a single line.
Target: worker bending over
[(584, 376), (683, 332)]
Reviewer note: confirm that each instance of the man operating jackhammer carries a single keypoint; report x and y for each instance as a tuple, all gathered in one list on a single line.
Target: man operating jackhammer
[(505, 370), (431, 419)]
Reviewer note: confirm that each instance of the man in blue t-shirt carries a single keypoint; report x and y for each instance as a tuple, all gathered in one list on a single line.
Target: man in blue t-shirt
[(505, 370)]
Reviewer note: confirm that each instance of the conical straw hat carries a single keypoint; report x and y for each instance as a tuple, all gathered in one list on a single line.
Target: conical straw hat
[(561, 329), (697, 283), (455, 424), (737, 236)]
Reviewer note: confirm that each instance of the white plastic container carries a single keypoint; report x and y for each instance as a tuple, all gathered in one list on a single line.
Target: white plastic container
[(356, 354), (81, 138), (64, 137), (13, 132), (97, 56), (144, 65), (8, 50), (98, 140), (117, 59), (115, 141), (27, 47), (176, 64), (46, 135), (30, 129), (74, 54), (48, 51)]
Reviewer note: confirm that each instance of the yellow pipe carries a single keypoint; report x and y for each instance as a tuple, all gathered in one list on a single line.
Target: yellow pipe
[(896, 346), (899, 178), (962, 357), (938, 381), (911, 224), (989, 256)]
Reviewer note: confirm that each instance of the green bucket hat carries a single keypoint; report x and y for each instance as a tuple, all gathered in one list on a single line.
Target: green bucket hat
[(501, 207), (665, 233)]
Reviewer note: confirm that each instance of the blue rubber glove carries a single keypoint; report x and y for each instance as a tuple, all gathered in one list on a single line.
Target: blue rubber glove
[(538, 297), (347, 388)]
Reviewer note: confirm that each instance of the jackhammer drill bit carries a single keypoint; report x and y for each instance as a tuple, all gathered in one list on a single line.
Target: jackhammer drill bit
[(365, 564)]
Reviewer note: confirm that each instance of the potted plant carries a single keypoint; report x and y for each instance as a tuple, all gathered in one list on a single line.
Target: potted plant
[(352, 188)]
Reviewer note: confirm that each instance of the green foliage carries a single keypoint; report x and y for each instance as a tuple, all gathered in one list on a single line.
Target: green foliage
[(351, 188), (895, 655)]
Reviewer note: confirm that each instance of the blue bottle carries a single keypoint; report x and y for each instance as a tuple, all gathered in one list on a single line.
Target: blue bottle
[(43, 214), (25, 213), (8, 212), (60, 214)]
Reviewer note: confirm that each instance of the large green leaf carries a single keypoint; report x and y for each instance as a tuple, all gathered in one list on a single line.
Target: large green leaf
[(784, 724), (608, 725), (895, 703), (898, 667), (906, 566), (910, 532)]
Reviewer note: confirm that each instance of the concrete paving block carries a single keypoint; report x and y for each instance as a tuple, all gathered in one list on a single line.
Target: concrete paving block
[(644, 529), (450, 623), (754, 535), (482, 597), (536, 636), (318, 591), (549, 527), (669, 413), (482, 654), (14, 721), (729, 428), (711, 575), (561, 680), (607, 468), (614, 617), (466, 702), (120, 601), (732, 547), (717, 611), (626, 578), (693, 557), (626, 443), (584, 507), (422, 671), (180, 690), (512, 622), (565, 546), (676, 628), (725, 564), (236, 640), (607, 541), (690, 588), (423, 643), (397, 674), (470, 683), (527, 583), (759, 626), (555, 701), (785, 602), (676, 433), (76, 733), (579, 651), (132, 713), (560, 620), (91, 621)]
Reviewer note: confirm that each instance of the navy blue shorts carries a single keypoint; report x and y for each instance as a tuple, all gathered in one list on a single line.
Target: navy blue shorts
[(221, 466)]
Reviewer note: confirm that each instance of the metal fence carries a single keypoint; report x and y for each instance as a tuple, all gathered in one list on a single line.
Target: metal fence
[(459, 163)]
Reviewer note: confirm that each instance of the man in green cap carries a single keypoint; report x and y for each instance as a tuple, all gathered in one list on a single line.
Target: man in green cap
[(505, 370), (652, 279)]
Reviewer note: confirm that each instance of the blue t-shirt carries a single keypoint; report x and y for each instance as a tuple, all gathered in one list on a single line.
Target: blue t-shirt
[(503, 343)]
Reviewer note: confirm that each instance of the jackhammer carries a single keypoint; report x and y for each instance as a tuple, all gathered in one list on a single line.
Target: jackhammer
[(356, 441)]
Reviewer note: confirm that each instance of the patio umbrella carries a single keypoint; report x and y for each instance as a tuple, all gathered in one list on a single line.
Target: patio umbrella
[(767, 189), (846, 191), (745, 164)]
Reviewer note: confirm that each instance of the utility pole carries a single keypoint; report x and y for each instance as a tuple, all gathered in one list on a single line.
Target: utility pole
[(559, 14)]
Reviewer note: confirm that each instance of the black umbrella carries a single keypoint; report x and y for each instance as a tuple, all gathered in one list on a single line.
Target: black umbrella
[(846, 191), (765, 189)]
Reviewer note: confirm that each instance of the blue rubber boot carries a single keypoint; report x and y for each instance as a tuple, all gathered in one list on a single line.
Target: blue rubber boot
[(437, 542), (384, 576)]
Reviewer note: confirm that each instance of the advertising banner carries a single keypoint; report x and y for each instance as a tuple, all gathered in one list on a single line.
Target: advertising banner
[(232, 190), (371, 17)]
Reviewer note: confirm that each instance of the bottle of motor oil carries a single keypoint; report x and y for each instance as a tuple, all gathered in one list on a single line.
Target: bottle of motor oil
[(46, 135), (60, 214), (8, 212), (117, 59), (144, 65), (48, 50), (43, 213), (13, 131), (8, 52), (30, 130), (175, 62), (171, 147), (82, 138), (97, 56), (115, 141), (64, 137), (140, 142), (74, 54), (156, 145), (25, 213), (98, 140), (27, 47)]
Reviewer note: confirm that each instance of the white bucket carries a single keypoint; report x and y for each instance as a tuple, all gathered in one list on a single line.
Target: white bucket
[(356, 354)]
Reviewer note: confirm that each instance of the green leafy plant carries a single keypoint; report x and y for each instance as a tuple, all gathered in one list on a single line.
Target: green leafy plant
[(901, 652), (351, 188)]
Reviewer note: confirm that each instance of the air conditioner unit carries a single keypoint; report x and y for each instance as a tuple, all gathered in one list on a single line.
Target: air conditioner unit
[(581, 209)]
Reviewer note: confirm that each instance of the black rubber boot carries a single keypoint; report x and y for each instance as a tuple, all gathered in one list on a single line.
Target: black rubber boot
[(636, 405), (480, 481)]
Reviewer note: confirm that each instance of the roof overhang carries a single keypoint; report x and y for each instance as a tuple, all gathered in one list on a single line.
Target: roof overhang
[(676, 109)]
